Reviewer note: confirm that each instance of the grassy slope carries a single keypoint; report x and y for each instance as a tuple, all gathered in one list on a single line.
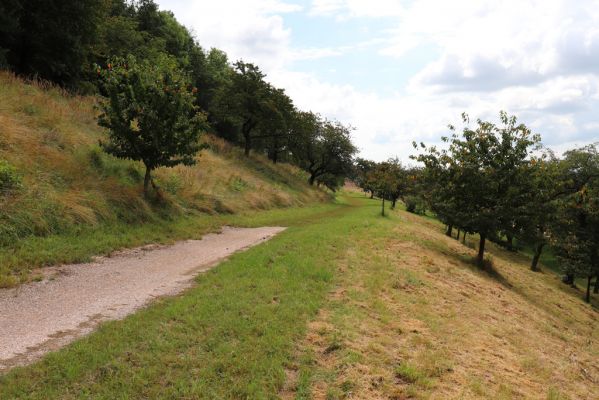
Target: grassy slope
[(344, 303), (77, 201), (410, 317)]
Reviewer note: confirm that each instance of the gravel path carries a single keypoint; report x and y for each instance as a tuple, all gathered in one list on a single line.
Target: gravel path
[(73, 299)]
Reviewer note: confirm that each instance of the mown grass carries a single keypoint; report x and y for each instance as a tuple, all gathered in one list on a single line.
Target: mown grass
[(19, 259), (74, 201), (228, 337), (411, 316)]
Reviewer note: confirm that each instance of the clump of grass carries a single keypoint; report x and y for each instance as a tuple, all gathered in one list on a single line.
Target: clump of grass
[(9, 178), (407, 373), (555, 394), (407, 280)]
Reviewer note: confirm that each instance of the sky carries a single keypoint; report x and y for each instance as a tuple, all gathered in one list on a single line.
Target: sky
[(400, 71)]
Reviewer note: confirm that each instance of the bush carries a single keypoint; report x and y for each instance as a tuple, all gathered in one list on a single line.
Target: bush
[(414, 205), (9, 178)]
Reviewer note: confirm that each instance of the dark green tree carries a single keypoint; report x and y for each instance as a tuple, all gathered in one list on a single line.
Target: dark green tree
[(360, 175), (243, 101), (575, 229), (275, 126), (55, 38), (10, 30), (384, 181), (321, 147), (475, 175)]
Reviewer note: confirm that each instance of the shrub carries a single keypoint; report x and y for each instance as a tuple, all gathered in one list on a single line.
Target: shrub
[(9, 178), (414, 205)]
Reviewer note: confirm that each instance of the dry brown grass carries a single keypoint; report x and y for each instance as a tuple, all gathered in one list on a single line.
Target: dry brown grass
[(51, 138), (411, 317)]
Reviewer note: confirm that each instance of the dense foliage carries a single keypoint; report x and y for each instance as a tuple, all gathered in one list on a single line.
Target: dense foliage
[(66, 42), (150, 115), (497, 181)]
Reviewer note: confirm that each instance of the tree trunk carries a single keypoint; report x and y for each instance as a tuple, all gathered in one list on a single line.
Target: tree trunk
[(568, 279), (248, 146), (481, 251), (596, 290), (510, 242), (147, 180), (587, 298), (537, 255), (393, 204), (372, 194), (383, 209), (312, 179), (449, 230), (458, 237), (464, 237)]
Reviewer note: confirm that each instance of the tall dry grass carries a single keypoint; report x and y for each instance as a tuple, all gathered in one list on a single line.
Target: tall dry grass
[(51, 138)]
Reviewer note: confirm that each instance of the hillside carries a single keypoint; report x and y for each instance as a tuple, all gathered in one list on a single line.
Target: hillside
[(68, 186), (411, 316), (343, 304)]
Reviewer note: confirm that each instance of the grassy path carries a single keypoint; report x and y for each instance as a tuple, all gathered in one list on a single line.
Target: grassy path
[(344, 304), (18, 261), (229, 337)]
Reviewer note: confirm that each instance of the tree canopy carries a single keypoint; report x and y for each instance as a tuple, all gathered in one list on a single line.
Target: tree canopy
[(150, 114)]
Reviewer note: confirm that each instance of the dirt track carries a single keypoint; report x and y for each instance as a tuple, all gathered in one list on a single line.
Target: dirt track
[(42, 316)]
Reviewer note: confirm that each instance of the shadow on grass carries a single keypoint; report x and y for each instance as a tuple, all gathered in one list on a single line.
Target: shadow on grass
[(490, 271)]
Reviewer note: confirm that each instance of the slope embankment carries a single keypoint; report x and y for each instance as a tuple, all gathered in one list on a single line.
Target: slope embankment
[(67, 188)]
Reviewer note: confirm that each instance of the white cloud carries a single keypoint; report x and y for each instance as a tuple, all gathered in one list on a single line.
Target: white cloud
[(343, 9), (535, 58), (251, 29)]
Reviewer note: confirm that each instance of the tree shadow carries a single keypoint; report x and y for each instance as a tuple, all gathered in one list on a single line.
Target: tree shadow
[(491, 271)]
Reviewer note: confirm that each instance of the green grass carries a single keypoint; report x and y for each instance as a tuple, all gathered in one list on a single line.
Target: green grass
[(17, 261), (229, 337)]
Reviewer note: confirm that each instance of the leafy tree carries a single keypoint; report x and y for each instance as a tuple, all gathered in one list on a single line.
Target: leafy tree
[(575, 230), (399, 178), (360, 174), (332, 182), (209, 72), (54, 38), (476, 174), (243, 101), (383, 180), (415, 197), (389, 181), (275, 126), (321, 147), (149, 114), (10, 12), (538, 206)]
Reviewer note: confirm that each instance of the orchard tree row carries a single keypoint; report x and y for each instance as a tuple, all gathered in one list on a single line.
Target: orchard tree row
[(162, 89), (497, 181)]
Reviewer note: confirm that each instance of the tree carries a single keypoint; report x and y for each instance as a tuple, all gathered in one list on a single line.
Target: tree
[(537, 209), (149, 114), (383, 181), (10, 12), (360, 175), (415, 197), (243, 101), (275, 125), (476, 174), (321, 147), (575, 230), (52, 38), (389, 181)]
